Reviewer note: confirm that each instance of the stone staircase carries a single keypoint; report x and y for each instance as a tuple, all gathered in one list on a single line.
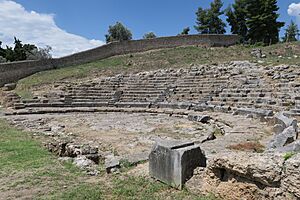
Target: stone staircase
[(224, 85)]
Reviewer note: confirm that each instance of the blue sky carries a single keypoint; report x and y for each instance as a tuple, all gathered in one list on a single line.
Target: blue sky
[(90, 18)]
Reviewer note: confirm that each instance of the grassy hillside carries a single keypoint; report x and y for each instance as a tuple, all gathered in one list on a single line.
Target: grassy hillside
[(165, 58)]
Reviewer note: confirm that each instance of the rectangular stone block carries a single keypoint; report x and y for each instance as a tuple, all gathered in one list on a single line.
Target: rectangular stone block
[(173, 162)]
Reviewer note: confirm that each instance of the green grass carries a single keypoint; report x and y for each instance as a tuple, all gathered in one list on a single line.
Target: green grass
[(84, 191), (18, 151), (26, 167), (158, 59), (135, 188)]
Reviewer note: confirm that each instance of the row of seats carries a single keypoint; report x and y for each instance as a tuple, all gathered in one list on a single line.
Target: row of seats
[(212, 86)]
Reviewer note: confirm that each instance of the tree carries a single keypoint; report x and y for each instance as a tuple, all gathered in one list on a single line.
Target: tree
[(236, 17), (9, 54), (185, 31), (262, 21), (2, 54), (118, 32), (208, 20), (40, 53), (19, 51), (149, 35), (2, 51), (2, 60), (291, 33), (255, 20)]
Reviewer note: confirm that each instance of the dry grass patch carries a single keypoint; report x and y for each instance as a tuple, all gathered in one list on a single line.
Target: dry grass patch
[(248, 146)]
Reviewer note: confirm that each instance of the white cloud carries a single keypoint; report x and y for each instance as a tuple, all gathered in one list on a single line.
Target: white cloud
[(294, 10), (40, 29)]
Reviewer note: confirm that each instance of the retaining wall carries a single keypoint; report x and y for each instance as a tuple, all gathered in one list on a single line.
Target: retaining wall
[(12, 72)]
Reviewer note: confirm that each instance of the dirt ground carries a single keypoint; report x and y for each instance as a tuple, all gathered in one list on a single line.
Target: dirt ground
[(129, 133)]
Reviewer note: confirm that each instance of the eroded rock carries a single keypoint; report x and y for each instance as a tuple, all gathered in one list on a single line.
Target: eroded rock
[(284, 138), (291, 178), (252, 176)]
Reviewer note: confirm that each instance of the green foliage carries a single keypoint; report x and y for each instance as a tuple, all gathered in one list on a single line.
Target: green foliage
[(118, 32), (149, 35), (291, 33), (21, 52), (288, 155), (2, 51), (185, 31), (209, 21), (262, 21), (39, 53), (255, 20), (236, 17)]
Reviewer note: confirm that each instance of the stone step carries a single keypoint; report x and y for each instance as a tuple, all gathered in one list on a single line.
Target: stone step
[(140, 95), (196, 89), (247, 90), (53, 104), (92, 97), (253, 94), (140, 92), (150, 89), (30, 100), (297, 111), (246, 99), (132, 104), (19, 105), (215, 81), (89, 104), (144, 85), (91, 92), (126, 99), (90, 101)]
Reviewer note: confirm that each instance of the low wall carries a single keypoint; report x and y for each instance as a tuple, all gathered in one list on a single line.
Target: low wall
[(12, 72)]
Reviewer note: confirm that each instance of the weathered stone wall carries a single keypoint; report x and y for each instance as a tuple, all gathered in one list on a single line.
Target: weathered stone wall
[(15, 71)]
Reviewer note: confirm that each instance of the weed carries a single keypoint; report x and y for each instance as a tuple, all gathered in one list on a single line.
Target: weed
[(288, 155)]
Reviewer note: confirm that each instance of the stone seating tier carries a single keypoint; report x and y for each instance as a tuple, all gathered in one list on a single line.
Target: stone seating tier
[(236, 87)]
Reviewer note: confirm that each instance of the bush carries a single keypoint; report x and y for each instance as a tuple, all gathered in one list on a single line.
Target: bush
[(149, 35)]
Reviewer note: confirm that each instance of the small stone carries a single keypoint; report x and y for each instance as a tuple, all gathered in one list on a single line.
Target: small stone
[(112, 162), (199, 118), (82, 162), (9, 86), (249, 116), (65, 159), (260, 61)]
